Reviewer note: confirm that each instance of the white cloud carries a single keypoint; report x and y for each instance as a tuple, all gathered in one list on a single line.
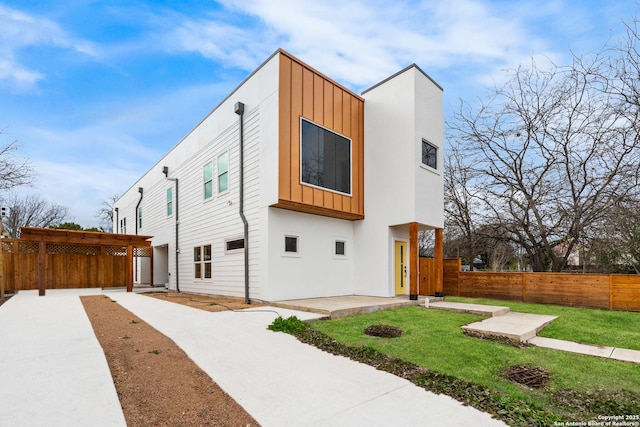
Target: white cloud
[(19, 30), (361, 42), (80, 167)]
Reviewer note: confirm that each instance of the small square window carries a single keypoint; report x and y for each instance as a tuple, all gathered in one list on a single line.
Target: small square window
[(291, 244), (340, 248), (429, 154)]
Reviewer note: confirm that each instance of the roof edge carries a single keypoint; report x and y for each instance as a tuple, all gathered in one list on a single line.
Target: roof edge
[(414, 65)]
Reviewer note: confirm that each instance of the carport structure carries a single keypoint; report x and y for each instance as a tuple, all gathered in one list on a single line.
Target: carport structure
[(58, 259)]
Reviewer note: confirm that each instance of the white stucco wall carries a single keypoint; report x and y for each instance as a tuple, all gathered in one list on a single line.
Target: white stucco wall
[(429, 124), (399, 113), (316, 271)]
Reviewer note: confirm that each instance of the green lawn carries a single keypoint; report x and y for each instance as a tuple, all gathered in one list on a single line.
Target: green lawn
[(433, 339), (591, 326)]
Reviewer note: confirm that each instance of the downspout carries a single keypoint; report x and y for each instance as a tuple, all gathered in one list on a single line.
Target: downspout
[(165, 170), (239, 110), (140, 189)]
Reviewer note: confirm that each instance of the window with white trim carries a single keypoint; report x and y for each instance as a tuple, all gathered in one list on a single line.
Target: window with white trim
[(223, 172), (123, 226), (207, 178), (340, 248), (169, 201), (291, 245), (234, 245), (429, 154), (202, 262)]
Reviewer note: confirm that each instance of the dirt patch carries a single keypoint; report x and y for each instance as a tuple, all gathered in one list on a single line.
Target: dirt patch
[(204, 302), (157, 383), (384, 331)]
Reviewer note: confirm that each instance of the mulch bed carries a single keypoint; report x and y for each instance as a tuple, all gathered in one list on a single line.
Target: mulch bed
[(157, 383), (530, 376)]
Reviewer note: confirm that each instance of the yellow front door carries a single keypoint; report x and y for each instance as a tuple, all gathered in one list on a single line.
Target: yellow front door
[(401, 267)]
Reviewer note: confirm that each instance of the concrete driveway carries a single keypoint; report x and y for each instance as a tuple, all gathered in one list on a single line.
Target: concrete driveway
[(53, 371)]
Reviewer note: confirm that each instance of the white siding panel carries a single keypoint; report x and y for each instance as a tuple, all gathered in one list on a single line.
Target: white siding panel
[(214, 221)]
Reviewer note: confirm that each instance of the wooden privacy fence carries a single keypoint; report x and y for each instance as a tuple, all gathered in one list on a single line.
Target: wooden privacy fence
[(430, 281), (62, 259), (609, 291)]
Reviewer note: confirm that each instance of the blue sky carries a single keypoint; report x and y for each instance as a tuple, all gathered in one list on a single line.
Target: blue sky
[(97, 91)]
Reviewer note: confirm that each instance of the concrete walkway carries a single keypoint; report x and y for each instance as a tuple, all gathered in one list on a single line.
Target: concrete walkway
[(525, 327), (53, 371)]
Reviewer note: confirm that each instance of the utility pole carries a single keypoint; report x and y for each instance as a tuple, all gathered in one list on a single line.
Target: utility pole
[(3, 213)]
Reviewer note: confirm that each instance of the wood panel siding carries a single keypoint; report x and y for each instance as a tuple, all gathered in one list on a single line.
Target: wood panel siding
[(304, 92)]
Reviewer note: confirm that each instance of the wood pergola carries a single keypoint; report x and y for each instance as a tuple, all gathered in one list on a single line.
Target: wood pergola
[(69, 259)]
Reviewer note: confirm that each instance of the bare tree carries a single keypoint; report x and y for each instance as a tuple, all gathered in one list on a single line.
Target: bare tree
[(551, 151), (14, 171), (105, 214), (460, 205), (426, 243), (31, 211), (614, 244)]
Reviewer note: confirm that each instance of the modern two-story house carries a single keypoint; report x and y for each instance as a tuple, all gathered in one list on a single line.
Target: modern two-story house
[(296, 187)]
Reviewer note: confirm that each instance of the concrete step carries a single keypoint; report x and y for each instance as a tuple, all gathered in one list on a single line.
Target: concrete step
[(516, 326), (461, 307)]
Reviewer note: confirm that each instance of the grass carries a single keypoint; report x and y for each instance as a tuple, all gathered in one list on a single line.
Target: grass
[(580, 385), (619, 329)]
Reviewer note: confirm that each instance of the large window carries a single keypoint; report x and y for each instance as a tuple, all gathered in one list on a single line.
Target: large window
[(202, 262), (223, 173), (169, 201), (429, 154), (325, 158), (207, 177)]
